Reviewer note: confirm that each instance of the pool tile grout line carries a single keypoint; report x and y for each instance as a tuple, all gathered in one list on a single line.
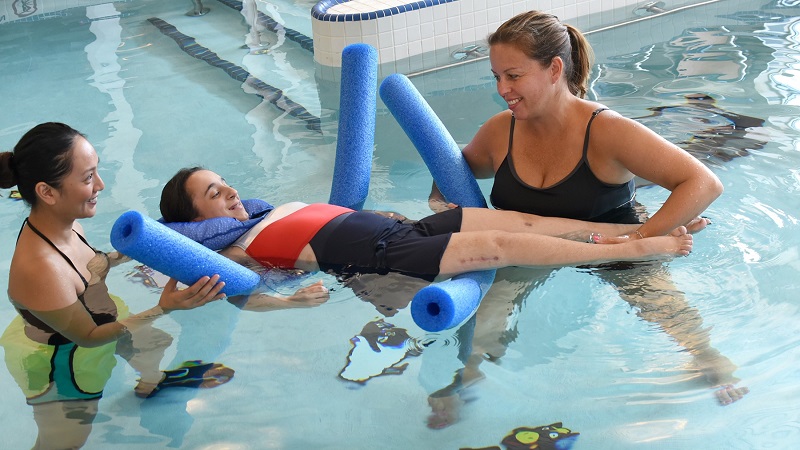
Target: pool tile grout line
[(269, 93)]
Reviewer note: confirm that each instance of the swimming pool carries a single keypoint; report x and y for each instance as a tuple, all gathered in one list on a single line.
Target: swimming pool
[(575, 352)]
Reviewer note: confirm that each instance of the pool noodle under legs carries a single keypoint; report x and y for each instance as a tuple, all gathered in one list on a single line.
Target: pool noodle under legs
[(447, 304)]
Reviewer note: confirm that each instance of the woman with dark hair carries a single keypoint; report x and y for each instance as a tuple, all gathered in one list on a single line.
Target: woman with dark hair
[(61, 347), (335, 239)]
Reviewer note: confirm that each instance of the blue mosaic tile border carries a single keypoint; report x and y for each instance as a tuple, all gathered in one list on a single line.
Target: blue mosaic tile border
[(320, 10)]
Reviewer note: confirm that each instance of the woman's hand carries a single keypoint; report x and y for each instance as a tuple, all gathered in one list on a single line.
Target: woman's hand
[(117, 258), (201, 292), (436, 201), (699, 223), (389, 215), (438, 206)]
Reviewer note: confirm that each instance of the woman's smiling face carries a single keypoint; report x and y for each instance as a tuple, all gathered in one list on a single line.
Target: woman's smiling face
[(80, 187), (212, 197), (521, 81)]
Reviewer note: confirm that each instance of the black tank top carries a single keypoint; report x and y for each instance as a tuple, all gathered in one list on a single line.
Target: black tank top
[(100, 305), (578, 196)]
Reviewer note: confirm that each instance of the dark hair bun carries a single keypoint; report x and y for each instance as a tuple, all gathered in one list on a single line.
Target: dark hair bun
[(7, 177)]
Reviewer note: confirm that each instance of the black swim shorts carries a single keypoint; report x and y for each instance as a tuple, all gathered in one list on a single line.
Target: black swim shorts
[(365, 242)]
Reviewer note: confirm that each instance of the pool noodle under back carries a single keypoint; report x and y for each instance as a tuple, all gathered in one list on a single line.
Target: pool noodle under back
[(444, 305), (177, 256), (356, 137)]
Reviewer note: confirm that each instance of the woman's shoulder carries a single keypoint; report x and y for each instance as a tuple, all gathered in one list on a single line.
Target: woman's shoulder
[(500, 121), (492, 132), (40, 279)]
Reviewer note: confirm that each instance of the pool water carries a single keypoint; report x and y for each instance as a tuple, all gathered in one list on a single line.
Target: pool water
[(356, 372)]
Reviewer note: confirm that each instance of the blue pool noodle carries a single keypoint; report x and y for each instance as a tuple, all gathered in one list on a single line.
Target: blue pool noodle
[(356, 138), (432, 140), (444, 305), (177, 256)]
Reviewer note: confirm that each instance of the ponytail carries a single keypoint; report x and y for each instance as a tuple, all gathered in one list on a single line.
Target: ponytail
[(542, 37), (7, 176), (582, 59)]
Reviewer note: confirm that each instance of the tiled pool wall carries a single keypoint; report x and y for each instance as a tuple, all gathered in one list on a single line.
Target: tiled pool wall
[(32, 10), (403, 31)]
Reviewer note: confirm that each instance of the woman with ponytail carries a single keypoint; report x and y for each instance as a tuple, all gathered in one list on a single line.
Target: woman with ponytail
[(542, 155), (554, 153)]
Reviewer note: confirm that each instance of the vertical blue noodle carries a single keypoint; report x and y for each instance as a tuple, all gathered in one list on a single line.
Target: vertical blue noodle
[(447, 304), (356, 136)]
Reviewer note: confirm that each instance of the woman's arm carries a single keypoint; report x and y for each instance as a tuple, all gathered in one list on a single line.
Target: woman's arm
[(487, 149), (627, 146), (71, 319)]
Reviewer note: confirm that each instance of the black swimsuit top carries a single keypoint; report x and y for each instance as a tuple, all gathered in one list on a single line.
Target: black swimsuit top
[(578, 196), (94, 297)]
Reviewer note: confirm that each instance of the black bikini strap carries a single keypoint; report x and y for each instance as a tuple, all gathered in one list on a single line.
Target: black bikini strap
[(588, 126), (511, 134), (66, 258)]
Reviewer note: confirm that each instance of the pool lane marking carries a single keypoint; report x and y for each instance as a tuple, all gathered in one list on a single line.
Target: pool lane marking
[(268, 92)]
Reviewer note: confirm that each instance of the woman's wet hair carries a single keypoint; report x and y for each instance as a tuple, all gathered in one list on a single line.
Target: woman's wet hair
[(43, 154), (542, 37), (176, 203)]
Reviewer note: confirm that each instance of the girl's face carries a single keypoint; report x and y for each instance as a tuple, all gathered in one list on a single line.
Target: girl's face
[(522, 82), (79, 189), (212, 197)]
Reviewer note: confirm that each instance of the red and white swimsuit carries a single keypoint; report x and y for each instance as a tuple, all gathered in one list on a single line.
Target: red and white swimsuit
[(279, 238)]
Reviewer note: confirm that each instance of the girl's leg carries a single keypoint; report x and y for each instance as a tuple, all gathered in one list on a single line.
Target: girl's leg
[(483, 219), (479, 250)]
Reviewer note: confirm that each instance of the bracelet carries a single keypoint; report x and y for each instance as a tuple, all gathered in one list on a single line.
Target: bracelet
[(638, 233)]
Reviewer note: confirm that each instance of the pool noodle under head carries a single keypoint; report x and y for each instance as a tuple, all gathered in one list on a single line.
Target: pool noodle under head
[(447, 304), (177, 256), (356, 137), (218, 233)]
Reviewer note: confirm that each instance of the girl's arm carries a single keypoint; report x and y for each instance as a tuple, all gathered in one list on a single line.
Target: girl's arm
[(309, 296), (306, 297)]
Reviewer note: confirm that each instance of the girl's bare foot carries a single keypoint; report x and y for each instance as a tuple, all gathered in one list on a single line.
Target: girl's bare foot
[(680, 231), (444, 410), (718, 370), (729, 393), (679, 243)]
